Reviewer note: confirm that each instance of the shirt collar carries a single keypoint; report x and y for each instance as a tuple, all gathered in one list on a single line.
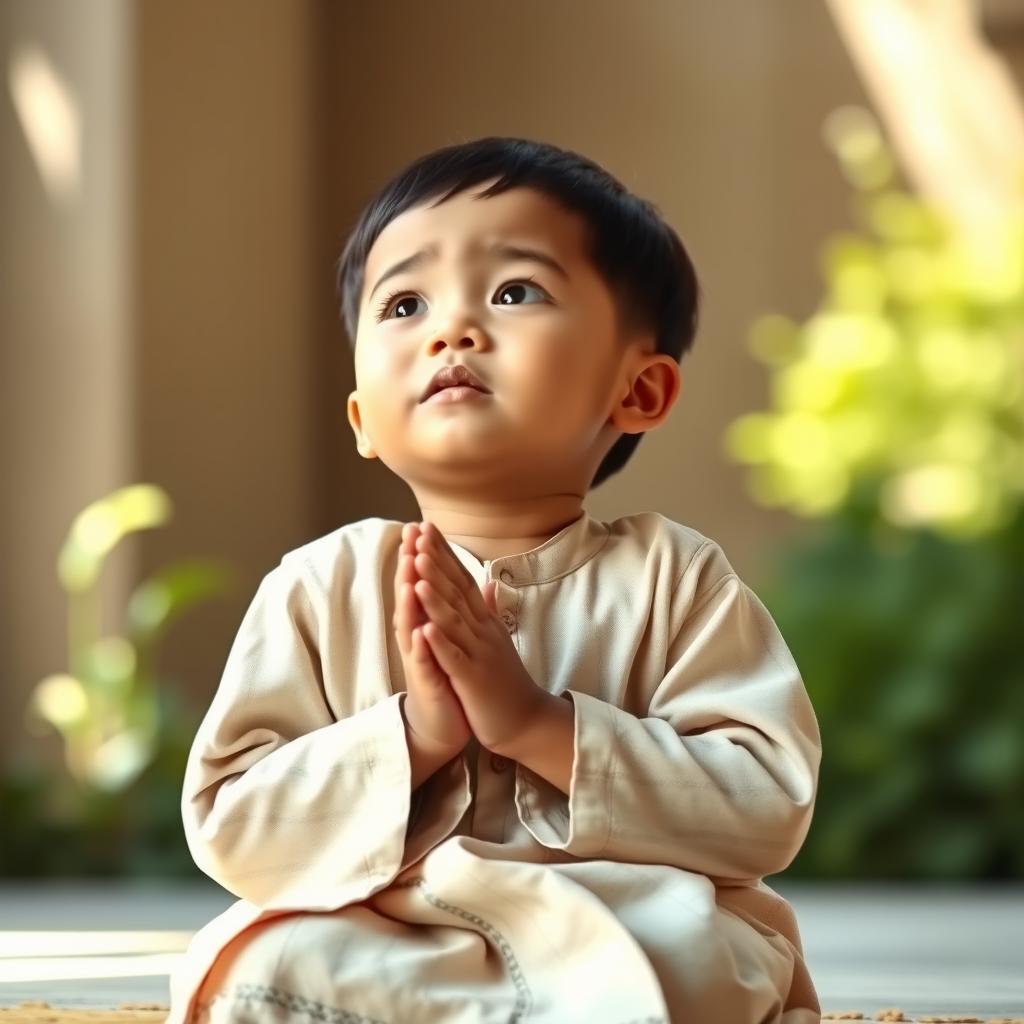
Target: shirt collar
[(559, 555)]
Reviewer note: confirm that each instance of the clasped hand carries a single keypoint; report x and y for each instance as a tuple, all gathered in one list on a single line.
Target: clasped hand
[(472, 646)]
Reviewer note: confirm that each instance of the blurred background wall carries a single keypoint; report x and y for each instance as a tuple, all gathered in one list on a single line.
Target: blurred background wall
[(169, 316), (173, 319), (68, 343)]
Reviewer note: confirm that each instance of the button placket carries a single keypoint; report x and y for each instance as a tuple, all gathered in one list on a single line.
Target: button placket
[(508, 617)]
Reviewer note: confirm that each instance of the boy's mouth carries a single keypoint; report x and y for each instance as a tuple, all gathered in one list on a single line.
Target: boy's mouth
[(456, 394), (453, 376)]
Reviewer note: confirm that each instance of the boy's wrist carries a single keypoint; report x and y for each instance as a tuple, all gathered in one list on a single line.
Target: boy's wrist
[(423, 743), (424, 758)]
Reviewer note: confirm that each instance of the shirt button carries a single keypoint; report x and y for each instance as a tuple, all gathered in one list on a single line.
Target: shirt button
[(510, 621), (499, 764), (506, 576)]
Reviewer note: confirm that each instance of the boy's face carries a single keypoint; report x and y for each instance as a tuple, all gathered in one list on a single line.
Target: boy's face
[(547, 348)]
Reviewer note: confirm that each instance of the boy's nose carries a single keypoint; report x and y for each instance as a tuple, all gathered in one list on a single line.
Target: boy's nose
[(457, 331)]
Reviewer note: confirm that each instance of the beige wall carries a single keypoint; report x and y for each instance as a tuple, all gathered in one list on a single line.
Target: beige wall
[(258, 130), (66, 349), (711, 110), (227, 221)]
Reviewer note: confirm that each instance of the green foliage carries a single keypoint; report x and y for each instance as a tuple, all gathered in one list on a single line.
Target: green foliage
[(58, 827), (910, 646), (910, 372), (897, 423), (113, 808)]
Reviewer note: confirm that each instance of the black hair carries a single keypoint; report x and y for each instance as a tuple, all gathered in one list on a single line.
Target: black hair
[(638, 254)]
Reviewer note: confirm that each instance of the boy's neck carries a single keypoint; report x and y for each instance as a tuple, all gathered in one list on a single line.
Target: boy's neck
[(491, 531)]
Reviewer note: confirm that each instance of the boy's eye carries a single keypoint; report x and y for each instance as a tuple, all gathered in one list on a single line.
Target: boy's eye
[(514, 289), (404, 302)]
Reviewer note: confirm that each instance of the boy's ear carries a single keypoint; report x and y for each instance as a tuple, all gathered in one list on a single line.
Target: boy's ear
[(654, 384), (356, 422)]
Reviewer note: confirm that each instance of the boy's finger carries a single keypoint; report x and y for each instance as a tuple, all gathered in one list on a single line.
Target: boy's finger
[(417, 613), (403, 627), (435, 543), (457, 586), (406, 572), (403, 549), (437, 550), (397, 588), (404, 617), (441, 583)]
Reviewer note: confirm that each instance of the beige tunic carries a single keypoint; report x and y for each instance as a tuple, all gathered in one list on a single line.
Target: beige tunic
[(492, 896)]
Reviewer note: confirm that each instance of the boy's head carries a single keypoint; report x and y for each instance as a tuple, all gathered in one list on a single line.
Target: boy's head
[(579, 346)]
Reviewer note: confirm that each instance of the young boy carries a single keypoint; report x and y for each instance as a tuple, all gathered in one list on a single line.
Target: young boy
[(509, 762)]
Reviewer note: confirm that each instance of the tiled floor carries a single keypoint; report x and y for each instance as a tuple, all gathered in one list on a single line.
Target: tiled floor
[(940, 950)]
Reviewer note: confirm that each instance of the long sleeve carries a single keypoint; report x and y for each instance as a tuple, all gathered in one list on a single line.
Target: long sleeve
[(721, 774), (285, 802)]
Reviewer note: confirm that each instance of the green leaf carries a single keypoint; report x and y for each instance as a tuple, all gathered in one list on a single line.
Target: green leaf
[(99, 527), (168, 594)]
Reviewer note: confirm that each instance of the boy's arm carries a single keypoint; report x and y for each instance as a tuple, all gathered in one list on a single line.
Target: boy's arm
[(721, 775), (549, 747), (424, 760), (286, 805)]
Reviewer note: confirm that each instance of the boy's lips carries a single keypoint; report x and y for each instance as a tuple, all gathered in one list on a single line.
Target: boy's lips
[(456, 375)]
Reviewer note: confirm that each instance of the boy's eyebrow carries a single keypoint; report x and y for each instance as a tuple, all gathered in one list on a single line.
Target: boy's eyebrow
[(502, 249)]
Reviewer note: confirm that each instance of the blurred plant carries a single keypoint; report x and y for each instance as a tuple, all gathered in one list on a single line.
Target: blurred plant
[(910, 646), (125, 734), (912, 370), (898, 422)]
